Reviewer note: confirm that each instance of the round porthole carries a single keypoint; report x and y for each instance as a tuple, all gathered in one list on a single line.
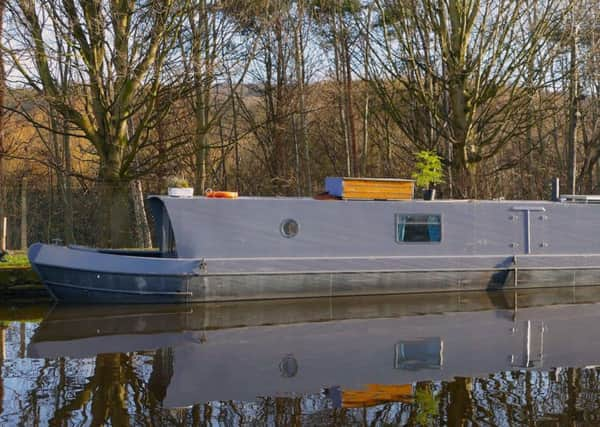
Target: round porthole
[(288, 367), (289, 228)]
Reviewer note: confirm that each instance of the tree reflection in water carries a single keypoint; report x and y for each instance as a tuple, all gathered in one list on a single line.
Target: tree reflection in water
[(2, 357), (130, 388), (127, 389), (105, 392)]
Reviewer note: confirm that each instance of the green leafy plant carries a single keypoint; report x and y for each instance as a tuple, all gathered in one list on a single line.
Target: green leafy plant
[(177, 182), (427, 406), (428, 169)]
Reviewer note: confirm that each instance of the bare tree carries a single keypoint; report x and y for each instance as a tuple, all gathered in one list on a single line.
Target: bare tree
[(121, 54), (586, 95), (269, 119), (212, 52), (459, 69), (301, 132), (337, 18), (2, 114)]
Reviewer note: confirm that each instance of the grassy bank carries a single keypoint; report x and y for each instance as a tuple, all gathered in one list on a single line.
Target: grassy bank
[(18, 282), (15, 259)]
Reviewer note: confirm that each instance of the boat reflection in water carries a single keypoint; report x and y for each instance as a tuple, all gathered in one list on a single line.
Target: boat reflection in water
[(356, 351)]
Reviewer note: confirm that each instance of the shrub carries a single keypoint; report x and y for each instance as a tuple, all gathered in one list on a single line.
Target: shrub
[(428, 169)]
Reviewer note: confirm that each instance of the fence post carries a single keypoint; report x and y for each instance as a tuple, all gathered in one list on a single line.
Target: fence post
[(4, 233), (23, 244)]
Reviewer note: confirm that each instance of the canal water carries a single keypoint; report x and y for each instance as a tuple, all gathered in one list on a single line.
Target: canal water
[(530, 358)]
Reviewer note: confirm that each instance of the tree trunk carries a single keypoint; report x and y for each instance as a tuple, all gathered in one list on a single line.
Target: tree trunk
[(300, 77), (2, 116), (339, 75), (162, 372), (365, 148), (573, 115), (224, 180), (62, 156), (202, 152), (460, 172), (142, 230), (280, 140), (22, 339), (114, 207), (67, 193), (23, 244), (296, 156), (367, 52), (201, 160), (109, 400), (2, 346), (350, 109), (234, 112), (459, 410), (4, 235)]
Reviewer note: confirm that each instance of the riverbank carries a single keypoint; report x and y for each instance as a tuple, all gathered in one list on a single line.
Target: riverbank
[(15, 259), (18, 282)]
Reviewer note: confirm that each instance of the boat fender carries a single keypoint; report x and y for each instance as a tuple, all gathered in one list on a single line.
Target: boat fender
[(221, 194)]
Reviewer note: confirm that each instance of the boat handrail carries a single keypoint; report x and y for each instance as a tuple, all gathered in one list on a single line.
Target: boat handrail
[(580, 198)]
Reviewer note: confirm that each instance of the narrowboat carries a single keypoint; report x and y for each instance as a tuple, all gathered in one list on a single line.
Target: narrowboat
[(372, 238)]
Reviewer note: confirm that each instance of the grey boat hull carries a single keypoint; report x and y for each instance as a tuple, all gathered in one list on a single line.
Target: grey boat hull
[(80, 275)]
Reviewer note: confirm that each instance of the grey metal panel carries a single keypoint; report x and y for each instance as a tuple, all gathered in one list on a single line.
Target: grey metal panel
[(355, 264), (249, 227), (84, 286), (568, 229), (586, 294), (558, 261), (80, 295), (587, 277), (545, 277), (97, 262), (257, 286)]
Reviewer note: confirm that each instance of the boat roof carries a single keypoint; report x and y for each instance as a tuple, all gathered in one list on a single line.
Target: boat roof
[(165, 197)]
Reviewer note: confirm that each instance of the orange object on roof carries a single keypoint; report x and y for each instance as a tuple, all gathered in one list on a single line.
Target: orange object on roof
[(221, 194), (376, 394)]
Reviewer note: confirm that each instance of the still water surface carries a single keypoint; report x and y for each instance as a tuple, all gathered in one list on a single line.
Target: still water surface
[(452, 359)]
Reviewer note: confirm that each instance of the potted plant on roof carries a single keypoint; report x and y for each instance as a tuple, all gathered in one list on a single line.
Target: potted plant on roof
[(428, 172), (179, 187)]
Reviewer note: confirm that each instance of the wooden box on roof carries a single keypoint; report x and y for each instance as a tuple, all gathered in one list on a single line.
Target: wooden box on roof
[(370, 188)]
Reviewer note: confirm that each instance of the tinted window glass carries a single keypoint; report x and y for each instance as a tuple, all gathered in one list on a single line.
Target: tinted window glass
[(418, 228)]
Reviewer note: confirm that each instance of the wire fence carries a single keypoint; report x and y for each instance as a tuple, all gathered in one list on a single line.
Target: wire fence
[(37, 214)]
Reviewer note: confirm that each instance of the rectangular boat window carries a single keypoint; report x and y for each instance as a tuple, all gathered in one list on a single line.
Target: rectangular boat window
[(418, 228), (425, 353)]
